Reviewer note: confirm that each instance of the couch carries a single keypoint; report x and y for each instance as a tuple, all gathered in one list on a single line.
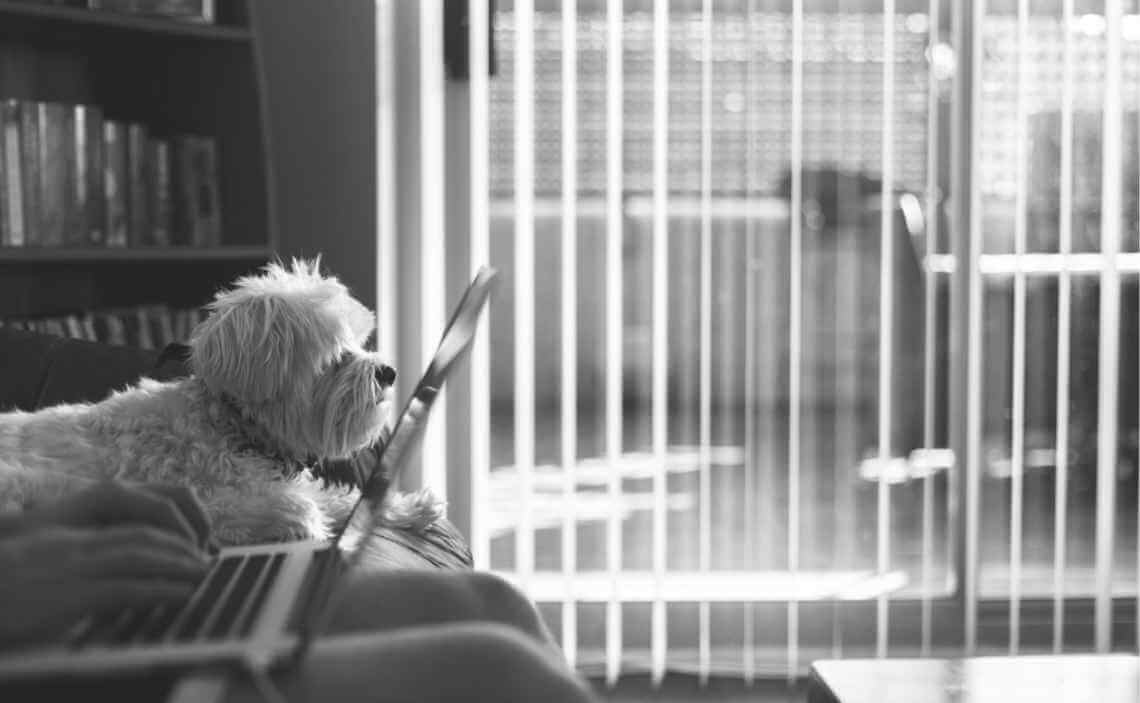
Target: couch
[(38, 370)]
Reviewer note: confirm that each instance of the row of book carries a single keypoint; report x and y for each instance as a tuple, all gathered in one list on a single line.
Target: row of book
[(201, 11), (141, 326), (71, 177)]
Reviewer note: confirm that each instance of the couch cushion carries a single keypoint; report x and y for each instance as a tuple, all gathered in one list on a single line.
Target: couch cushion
[(81, 371), (38, 370), (24, 361)]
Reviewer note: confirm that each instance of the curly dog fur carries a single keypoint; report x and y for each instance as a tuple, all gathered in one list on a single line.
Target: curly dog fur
[(281, 384)]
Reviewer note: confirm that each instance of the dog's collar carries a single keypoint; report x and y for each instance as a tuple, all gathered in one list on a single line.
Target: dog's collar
[(255, 438), (346, 472)]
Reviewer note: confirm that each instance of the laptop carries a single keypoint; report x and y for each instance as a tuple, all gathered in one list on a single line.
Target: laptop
[(262, 605)]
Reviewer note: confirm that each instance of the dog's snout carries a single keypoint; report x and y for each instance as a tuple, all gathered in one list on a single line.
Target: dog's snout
[(385, 374)]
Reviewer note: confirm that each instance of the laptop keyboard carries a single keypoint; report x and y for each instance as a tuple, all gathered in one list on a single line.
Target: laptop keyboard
[(309, 586), (225, 605)]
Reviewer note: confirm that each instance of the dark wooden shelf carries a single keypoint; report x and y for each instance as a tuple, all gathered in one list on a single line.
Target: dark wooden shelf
[(12, 11), (123, 254), (175, 77)]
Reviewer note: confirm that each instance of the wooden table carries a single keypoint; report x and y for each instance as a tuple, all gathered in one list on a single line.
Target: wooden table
[(1109, 678)]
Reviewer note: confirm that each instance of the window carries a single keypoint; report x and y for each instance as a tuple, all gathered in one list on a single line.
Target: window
[(741, 409)]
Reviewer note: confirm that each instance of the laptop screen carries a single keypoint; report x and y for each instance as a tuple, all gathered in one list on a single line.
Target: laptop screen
[(409, 428)]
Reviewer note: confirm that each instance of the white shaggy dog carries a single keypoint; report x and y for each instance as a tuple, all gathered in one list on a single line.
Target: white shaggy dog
[(281, 379)]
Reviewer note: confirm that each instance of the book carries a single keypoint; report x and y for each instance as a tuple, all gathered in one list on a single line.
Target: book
[(141, 327), (159, 182), (88, 323), (74, 329), (116, 329), (183, 325), (12, 205), (100, 327), (87, 175), (5, 226), (53, 326), (30, 172), (138, 205), (52, 140), (164, 326), (115, 183), (182, 10), (198, 211), (159, 325)]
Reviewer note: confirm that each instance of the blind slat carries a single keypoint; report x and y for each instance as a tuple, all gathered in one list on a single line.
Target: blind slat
[(1108, 349), (1017, 434), (660, 327), (750, 464), (386, 286), (432, 204), (705, 372), (929, 329), (614, 295), (886, 315), (795, 323), (569, 370), (1064, 293), (480, 253), (524, 282), (974, 304)]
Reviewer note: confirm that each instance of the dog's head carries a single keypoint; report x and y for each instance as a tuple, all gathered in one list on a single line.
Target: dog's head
[(287, 346)]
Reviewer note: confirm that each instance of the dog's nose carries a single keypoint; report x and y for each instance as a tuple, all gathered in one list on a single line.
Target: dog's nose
[(385, 374)]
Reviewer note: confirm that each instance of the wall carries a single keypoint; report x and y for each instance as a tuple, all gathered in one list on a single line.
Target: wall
[(318, 63)]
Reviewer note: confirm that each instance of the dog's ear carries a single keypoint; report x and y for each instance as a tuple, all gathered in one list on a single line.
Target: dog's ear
[(252, 345)]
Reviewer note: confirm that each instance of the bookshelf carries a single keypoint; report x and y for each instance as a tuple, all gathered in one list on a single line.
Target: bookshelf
[(176, 78), (25, 17)]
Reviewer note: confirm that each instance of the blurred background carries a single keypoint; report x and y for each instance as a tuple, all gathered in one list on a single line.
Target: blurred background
[(811, 452)]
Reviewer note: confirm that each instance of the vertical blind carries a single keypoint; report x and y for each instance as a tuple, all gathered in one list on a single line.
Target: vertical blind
[(712, 409)]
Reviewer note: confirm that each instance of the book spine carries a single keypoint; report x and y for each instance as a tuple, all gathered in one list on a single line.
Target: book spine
[(77, 178), (138, 207), (87, 175), (160, 190), (88, 323), (5, 207), (54, 326), (211, 192), (185, 10), (182, 185), (199, 191), (116, 329), (74, 329), (97, 204), (54, 152), (100, 327), (13, 166), (183, 325), (30, 171), (143, 334), (167, 326), (115, 182), (17, 221)]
